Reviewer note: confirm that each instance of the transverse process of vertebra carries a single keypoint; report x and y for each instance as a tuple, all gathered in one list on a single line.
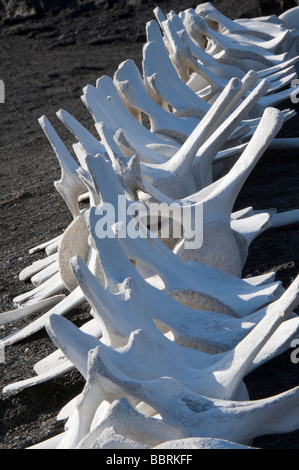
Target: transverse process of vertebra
[(158, 251)]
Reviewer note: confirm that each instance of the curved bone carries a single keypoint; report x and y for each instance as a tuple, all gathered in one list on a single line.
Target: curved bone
[(52, 286), (285, 218), (127, 169), (44, 274), (224, 198), (54, 365), (253, 27), (257, 55), (74, 299), (74, 242), (97, 102), (205, 331), (182, 58), (37, 266), (129, 82), (178, 167), (44, 245), (228, 369), (158, 71), (87, 140), (143, 296), (88, 403), (21, 312), (225, 71), (70, 186), (290, 19), (197, 415)]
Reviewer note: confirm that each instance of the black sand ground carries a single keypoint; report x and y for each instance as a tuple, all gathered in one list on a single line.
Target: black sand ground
[(45, 63)]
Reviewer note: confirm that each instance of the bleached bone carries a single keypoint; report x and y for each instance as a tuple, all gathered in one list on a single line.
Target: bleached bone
[(74, 242), (268, 72), (157, 64), (44, 245), (224, 198), (21, 312), (104, 100), (290, 17), (209, 123), (128, 302), (128, 148), (52, 247), (38, 379), (195, 158), (165, 85), (188, 291), (141, 427), (255, 223), (105, 434), (37, 266), (279, 43), (183, 60), (161, 260), (178, 167), (228, 420), (201, 443), (189, 327), (93, 293), (182, 57), (285, 218), (283, 43), (85, 408), (70, 186), (202, 164), (130, 85), (127, 169), (45, 274), (256, 56), (86, 139), (254, 27), (57, 357), (192, 413), (183, 52), (74, 299), (227, 71), (154, 34), (54, 365), (248, 230), (52, 286), (219, 380), (109, 439), (145, 141)]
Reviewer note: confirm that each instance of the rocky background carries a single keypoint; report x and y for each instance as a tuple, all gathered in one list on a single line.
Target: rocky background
[(49, 50)]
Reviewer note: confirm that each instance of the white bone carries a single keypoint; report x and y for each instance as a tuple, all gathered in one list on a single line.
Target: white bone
[(37, 266), (151, 253), (254, 27), (44, 274), (21, 312), (44, 245), (70, 186), (257, 55)]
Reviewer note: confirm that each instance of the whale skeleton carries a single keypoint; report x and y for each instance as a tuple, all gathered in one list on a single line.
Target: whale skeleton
[(172, 331)]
